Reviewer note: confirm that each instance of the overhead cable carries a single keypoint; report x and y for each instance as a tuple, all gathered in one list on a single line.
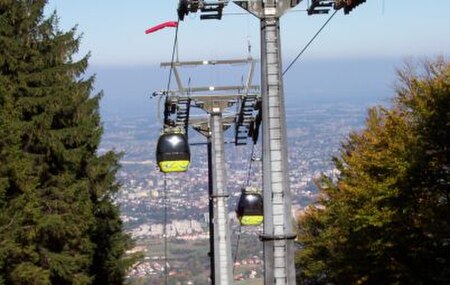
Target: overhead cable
[(249, 170), (309, 43), (166, 273), (236, 252), (174, 48)]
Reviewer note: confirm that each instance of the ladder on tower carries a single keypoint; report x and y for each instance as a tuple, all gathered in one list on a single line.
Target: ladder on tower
[(182, 117), (245, 118)]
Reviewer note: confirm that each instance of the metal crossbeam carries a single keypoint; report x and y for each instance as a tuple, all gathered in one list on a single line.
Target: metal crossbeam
[(241, 89), (208, 62)]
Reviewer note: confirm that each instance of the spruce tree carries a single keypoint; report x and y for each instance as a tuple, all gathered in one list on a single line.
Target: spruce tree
[(58, 223), (385, 219)]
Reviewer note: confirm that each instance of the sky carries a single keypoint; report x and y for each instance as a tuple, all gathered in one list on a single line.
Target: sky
[(113, 30), (368, 44)]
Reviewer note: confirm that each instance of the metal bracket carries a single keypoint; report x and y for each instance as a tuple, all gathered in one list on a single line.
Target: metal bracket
[(318, 7), (211, 10), (218, 196), (278, 237)]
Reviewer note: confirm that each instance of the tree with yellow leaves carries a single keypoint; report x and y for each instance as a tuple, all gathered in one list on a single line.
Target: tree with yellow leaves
[(386, 218)]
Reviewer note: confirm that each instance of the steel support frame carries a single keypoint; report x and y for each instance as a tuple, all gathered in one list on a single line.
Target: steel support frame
[(211, 210), (219, 225), (222, 262), (278, 244), (213, 129), (278, 237)]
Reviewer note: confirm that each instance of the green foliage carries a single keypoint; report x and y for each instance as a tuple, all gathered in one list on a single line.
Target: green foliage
[(385, 220), (58, 224)]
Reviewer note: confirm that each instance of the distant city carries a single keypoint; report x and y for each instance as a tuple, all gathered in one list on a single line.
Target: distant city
[(314, 136)]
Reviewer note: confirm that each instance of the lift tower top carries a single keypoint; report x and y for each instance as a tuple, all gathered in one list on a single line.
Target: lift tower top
[(219, 117), (278, 234), (278, 237)]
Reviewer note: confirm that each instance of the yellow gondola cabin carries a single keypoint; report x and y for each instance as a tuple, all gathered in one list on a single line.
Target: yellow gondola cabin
[(250, 207), (172, 152)]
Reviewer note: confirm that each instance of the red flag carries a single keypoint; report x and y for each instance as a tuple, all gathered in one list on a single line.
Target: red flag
[(171, 24)]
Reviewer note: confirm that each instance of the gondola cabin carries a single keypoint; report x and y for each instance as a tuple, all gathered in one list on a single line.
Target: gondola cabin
[(172, 151), (249, 209)]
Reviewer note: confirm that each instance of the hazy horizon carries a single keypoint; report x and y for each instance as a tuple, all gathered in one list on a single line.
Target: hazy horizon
[(128, 89)]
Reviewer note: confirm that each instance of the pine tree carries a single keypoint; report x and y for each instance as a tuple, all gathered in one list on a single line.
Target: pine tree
[(58, 223), (385, 219)]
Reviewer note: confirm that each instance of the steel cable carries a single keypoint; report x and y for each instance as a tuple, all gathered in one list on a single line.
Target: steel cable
[(309, 43), (172, 60)]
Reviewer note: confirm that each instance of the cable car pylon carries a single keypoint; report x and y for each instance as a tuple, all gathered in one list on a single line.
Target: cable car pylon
[(278, 237), (217, 120)]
